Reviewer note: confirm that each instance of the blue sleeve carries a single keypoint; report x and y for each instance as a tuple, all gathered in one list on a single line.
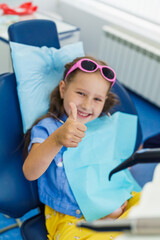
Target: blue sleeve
[(41, 132), (38, 135)]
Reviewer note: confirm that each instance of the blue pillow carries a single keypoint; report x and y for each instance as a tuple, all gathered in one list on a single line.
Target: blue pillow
[(38, 71)]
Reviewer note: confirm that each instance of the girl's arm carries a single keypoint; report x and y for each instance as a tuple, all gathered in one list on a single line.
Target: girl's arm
[(40, 157), (42, 154)]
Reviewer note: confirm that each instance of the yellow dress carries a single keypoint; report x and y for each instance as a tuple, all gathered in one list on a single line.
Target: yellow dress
[(63, 227)]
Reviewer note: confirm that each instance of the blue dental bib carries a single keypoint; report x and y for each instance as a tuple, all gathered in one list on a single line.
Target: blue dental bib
[(108, 142)]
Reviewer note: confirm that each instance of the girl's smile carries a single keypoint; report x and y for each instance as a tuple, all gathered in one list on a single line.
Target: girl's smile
[(88, 91), (83, 114)]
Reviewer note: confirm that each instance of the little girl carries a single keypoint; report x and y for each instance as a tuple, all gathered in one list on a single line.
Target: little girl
[(83, 95)]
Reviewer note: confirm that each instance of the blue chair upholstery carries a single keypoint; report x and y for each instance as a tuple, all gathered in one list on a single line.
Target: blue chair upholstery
[(17, 195), (34, 32), (126, 105), (11, 158)]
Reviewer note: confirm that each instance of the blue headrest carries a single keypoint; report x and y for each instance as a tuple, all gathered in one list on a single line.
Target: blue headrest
[(17, 195), (29, 32)]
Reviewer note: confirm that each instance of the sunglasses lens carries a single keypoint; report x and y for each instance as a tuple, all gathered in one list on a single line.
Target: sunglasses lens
[(108, 73), (88, 65)]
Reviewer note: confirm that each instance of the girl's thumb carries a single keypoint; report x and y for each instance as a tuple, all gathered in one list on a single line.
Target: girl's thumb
[(73, 111)]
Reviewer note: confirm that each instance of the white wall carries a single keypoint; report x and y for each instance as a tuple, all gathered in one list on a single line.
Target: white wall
[(90, 16), (46, 5), (91, 27)]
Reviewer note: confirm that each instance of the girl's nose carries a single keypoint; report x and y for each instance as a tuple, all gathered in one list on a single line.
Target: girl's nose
[(86, 104)]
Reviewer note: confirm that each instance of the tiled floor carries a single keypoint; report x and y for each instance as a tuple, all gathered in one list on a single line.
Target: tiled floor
[(13, 234), (10, 234)]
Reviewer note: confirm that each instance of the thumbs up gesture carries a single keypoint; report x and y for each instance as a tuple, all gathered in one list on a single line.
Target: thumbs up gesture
[(72, 131), (73, 111)]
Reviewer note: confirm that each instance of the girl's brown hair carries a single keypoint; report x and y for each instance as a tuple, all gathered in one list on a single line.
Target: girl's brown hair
[(56, 109)]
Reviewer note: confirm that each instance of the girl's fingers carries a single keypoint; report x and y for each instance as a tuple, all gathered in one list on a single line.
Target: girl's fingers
[(124, 205), (76, 139), (81, 127), (79, 134), (74, 144)]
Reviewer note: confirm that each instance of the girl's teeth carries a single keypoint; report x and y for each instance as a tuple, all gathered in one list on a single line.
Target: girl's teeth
[(83, 114)]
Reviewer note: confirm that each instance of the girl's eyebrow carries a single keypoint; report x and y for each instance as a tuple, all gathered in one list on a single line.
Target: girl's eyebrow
[(81, 89)]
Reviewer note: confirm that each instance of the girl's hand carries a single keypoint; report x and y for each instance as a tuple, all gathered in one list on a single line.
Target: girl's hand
[(72, 131), (117, 213)]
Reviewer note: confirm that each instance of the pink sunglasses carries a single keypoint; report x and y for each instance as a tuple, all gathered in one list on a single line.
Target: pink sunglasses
[(87, 65)]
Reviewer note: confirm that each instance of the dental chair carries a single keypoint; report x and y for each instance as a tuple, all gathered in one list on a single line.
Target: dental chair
[(17, 195)]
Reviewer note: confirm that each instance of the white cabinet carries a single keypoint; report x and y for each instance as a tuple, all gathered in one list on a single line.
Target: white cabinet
[(5, 60), (67, 34)]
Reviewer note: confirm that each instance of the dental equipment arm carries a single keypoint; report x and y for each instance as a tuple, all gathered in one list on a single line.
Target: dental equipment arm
[(140, 226), (148, 155)]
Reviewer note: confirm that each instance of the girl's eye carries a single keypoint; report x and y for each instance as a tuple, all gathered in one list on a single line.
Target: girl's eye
[(98, 99), (81, 93)]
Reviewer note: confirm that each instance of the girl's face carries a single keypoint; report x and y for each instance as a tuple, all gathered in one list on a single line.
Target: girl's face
[(88, 91)]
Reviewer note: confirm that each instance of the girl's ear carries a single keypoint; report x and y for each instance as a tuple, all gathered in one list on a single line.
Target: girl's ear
[(62, 86)]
